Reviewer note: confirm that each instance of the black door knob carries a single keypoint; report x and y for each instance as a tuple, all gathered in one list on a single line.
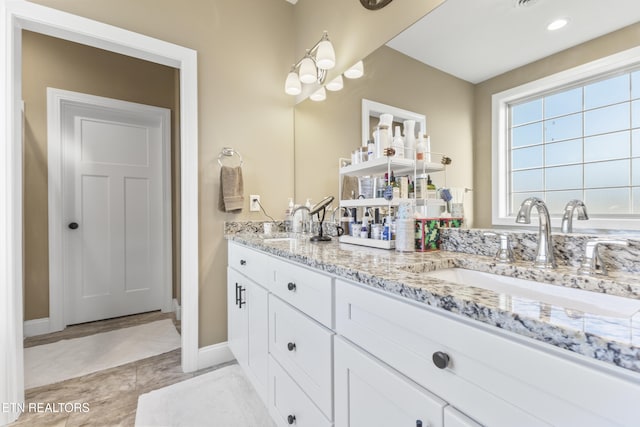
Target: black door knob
[(440, 359), (291, 286), (73, 225), (291, 419), (291, 346)]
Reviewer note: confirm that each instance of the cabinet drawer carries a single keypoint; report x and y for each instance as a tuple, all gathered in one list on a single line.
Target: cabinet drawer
[(250, 262), (499, 379), (288, 404), (308, 291), (455, 418), (304, 348), (370, 394)]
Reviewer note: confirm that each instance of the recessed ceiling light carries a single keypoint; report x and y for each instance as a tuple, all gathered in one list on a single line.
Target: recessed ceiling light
[(557, 24)]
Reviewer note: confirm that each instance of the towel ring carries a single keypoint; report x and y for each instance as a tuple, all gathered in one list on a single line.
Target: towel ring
[(228, 152)]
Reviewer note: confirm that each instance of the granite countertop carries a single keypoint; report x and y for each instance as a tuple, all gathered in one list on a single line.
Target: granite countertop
[(611, 336)]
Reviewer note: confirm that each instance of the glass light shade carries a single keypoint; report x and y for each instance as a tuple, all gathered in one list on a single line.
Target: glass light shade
[(325, 55), (319, 95), (335, 84), (292, 86), (355, 72), (308, 73)]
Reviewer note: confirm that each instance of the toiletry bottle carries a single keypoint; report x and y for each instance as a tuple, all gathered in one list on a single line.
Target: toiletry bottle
[(430, 185), (371, 150), (383, 140), (411, 189), (395, 187), (409, 139), (288, 219), (398, 144), (364, 230), (420, 147)]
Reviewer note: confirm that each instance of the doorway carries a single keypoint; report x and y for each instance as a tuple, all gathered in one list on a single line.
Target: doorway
[(109, 208), (19, 15)]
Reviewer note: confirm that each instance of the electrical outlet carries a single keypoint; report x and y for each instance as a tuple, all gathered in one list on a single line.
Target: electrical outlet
[(254, 203)]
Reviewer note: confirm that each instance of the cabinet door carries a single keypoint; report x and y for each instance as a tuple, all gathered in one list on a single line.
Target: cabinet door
[(257, 335), (370, 394), (236, 316), (455, 418)]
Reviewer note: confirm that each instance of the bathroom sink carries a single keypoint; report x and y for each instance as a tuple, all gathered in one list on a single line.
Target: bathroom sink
[(576, 299)]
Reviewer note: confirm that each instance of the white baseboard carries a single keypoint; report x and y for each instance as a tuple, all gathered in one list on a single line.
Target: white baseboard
[(35, 327), (214, 355), (176, 308)]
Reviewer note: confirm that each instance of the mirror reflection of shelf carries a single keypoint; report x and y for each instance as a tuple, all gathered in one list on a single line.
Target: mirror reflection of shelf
[(398, 166), (360, 203)]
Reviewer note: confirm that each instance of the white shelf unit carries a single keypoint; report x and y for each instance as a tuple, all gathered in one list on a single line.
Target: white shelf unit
[(376, 168)]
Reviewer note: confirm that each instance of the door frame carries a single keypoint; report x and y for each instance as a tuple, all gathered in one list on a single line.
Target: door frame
[(15, 16), (56, 98)]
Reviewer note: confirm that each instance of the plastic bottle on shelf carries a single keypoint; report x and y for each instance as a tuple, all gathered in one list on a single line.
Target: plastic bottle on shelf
[(420, 148), (398, 144), (409, 139)]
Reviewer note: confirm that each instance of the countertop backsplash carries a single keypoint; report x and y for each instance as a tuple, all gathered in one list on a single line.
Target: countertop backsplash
[(568, 248)]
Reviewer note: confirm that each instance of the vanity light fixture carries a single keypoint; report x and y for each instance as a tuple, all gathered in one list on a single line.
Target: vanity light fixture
[(356, 71), (319, 95), (557, 24), (312, 68), (335, 84)]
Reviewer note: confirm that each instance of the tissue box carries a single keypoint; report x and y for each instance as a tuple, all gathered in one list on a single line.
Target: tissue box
[(428, 231)]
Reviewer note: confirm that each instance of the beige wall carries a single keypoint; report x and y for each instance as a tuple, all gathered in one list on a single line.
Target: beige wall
[(609, 44), (244, 51), (51, 62), (331, 129)]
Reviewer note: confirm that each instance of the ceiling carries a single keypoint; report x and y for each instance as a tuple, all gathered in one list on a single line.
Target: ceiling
[(479, 39)]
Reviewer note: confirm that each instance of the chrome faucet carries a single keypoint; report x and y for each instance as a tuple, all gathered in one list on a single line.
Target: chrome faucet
[(544, 252), (591, 259), (306, 226), (567, 218), (505, 253)]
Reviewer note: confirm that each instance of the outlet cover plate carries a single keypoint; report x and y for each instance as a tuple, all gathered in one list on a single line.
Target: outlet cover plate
[(254, 206)]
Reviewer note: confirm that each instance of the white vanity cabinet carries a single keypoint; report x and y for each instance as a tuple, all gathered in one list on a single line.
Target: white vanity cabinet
[(370, 394), (496, 378), (325, 351), (247, 311)]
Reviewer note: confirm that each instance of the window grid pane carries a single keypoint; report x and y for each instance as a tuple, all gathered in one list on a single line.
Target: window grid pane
[(579, 142)]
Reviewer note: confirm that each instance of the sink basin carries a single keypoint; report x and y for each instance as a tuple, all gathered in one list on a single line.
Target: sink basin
[(576, 299)]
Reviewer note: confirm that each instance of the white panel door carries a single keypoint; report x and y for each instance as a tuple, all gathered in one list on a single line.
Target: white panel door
[(113, 199)]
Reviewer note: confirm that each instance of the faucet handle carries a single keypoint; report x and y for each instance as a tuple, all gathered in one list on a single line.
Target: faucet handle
[(505, 253), (591, 259)]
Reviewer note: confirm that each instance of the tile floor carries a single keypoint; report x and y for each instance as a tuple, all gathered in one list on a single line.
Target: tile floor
[(112, 394)]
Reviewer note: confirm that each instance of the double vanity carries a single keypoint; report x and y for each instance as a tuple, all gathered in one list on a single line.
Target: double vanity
[(337, 335)]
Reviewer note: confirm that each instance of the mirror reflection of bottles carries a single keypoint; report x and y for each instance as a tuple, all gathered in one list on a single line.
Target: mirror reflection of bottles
[(381, 137), (409, 139), (398, 144)]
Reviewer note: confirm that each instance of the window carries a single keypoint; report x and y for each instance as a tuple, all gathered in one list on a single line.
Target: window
[(574, 135)]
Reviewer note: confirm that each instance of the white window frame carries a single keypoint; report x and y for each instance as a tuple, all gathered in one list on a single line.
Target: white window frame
[(500, 138)]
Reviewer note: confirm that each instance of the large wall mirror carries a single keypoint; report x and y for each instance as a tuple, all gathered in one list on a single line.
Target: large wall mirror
[(458, 109)]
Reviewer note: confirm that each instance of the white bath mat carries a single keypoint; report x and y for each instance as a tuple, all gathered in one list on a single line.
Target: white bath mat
[(221, 398), (59, 361)]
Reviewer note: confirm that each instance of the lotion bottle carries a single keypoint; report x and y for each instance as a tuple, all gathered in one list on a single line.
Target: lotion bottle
[(398, 144)]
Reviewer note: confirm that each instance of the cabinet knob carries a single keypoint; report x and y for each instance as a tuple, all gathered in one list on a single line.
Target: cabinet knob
[(73, 225), (418, 423), (291, 419), (243, 262), (291, 286), (291, 346), (440, 359)]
